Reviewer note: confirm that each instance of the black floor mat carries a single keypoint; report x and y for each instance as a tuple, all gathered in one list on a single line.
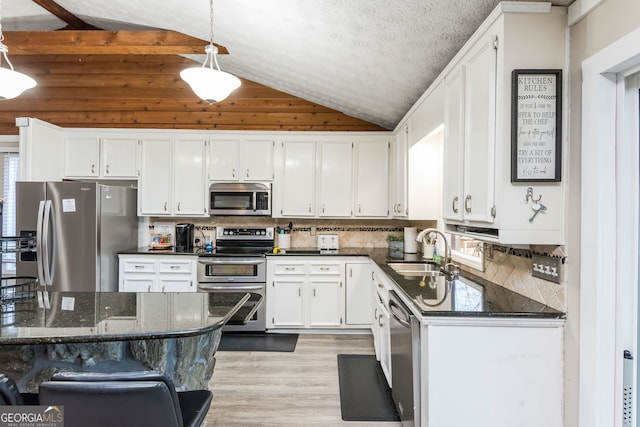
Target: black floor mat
[(257, 342), (364, 392)]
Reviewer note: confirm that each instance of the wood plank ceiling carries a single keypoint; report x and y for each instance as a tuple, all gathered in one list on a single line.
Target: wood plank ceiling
[(101, 79)]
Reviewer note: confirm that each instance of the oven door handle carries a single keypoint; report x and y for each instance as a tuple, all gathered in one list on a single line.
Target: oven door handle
[(235, 261), (208, 287)]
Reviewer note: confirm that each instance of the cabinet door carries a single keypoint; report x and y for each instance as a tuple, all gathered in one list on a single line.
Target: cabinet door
[(119, 158), (81, 157), (372, 179), (324, 303), (154, 183), (384, 322), (399, 174), (256, 160), (189, 179), (181, 283), (359, 298), (479, 134), (335, 183), (298, 179), (287, 303), (137, 284), (223, 159), (453, 146)]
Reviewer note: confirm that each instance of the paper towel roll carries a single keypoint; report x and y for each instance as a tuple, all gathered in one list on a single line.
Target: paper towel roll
[(410, 244)]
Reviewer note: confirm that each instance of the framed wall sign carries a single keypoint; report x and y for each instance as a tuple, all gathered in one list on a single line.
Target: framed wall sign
[(536, 125)]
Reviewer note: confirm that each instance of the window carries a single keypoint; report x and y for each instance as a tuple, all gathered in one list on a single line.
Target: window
[(9, 173), (467, 251)]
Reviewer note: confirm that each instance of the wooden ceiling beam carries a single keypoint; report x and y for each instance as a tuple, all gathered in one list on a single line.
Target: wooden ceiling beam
[(73, 22), (99, 42)]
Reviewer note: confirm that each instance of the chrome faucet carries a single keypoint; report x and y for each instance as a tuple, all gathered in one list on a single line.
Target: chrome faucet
[(448, 266)]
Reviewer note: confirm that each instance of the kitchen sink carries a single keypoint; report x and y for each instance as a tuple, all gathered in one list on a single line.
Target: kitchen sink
[(414, 268)]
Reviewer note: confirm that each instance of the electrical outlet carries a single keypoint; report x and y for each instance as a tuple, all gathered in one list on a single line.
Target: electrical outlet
[(312, 231), (546, 267)]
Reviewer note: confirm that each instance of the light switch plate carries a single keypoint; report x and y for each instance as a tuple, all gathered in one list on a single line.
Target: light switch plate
[(547, 267)]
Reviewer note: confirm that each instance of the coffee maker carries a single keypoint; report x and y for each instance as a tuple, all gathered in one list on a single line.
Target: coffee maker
[(184, 237)]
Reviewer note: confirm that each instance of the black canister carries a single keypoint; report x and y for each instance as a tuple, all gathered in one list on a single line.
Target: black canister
[(184, 237)]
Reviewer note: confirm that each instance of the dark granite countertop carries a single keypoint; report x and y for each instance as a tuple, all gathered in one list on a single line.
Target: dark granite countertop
[(468, 296), (149, 251), (114, 316)]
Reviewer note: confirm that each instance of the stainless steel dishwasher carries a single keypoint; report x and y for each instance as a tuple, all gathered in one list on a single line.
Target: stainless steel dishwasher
[(405, 361)]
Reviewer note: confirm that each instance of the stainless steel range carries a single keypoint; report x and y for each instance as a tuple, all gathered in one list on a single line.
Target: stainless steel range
[(238, 264)]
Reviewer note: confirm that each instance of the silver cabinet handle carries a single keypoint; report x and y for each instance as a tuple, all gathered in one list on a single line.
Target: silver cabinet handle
[(107, 169), (233, 172), (174, 267), (165, 206), (149, 288), (380, 322), (454, 205), (323, 208), (299, 292), (178, 206), (359, 208), (93, 168), (247, 173), (467, 204), (163, 288), (138, 266), (309, 207), (324, 268)]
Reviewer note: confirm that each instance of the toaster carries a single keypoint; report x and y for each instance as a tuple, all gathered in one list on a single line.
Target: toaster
[(328, 241)]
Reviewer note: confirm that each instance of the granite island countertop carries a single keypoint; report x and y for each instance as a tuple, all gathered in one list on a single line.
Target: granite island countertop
[(82, 317)]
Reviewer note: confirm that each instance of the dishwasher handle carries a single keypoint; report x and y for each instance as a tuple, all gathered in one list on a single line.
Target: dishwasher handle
[(395, 309)]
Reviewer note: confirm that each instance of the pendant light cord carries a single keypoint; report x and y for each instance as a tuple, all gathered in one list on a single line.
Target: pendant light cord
[(211, 50)]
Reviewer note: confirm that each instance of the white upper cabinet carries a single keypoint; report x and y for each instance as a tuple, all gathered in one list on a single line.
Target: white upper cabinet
[(119, 157), (93, 156), (470, 135), (256, 159), (173, 180), (478, 195), (241, 159), (295, 191), (399, 177), (453, 189), (372, 178), (189, 183), (335, 179)]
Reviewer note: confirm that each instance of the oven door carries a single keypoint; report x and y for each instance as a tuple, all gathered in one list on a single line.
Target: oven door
[(252, 317), (232, 275)]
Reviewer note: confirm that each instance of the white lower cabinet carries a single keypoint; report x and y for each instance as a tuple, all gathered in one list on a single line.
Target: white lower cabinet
[(358, 298), (480, 363), (381, 320), (157, 273), (310, 292)]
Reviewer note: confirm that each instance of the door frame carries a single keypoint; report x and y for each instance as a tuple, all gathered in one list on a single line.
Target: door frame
[(609, 230)]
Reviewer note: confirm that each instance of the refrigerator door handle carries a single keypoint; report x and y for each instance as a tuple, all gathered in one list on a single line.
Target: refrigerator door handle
[(39, 243), (46, 262)]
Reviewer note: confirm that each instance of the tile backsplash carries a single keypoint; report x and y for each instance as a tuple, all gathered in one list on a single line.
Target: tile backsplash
[(506, 267)]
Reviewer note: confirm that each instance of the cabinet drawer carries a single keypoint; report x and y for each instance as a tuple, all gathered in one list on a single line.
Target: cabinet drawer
[(289, 269), (139, 266), (174, 267), (333, 269)]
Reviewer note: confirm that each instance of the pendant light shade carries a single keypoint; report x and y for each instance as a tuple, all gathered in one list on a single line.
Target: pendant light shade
[(209, 83), (12, 83)]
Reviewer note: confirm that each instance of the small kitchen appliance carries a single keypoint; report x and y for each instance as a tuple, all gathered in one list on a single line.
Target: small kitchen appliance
[(240, 198), (328, 242), (184, 237)]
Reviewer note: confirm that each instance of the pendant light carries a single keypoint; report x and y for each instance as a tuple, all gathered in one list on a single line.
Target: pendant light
[(210, 84), (12, 83)]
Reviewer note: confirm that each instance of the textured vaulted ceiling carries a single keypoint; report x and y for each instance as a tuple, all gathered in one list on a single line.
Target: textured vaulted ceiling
[(368, 59)]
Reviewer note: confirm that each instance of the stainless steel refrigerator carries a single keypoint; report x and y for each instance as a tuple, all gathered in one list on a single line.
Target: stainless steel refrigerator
[(79, 228)]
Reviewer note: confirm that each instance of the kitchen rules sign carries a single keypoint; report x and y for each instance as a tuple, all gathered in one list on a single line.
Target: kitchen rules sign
[(536, 125)]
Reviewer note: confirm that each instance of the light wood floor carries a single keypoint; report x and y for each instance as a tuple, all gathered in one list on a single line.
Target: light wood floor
[(285, 389)]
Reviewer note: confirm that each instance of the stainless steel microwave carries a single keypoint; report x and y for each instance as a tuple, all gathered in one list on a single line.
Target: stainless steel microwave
[(240, 198)]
